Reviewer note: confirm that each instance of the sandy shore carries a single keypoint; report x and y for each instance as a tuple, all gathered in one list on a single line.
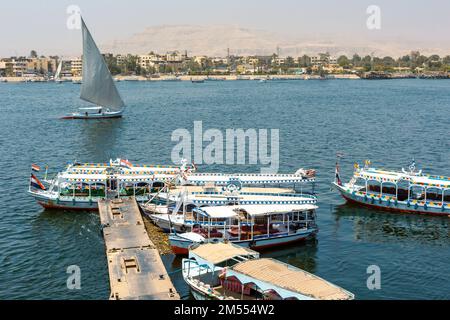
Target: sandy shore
[(190, 78)]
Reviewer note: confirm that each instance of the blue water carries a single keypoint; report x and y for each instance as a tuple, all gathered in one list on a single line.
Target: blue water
[(388, 122)]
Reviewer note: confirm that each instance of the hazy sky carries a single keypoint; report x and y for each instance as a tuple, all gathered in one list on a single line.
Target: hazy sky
[(41, 24)]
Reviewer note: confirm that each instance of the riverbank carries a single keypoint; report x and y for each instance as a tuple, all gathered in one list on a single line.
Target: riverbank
[(200, 78), (192, 78)]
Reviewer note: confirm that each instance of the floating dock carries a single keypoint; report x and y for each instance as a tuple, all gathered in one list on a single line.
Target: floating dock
[(136, 271)]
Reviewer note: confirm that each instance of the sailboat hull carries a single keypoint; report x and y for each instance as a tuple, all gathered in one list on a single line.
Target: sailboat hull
[(104, 115)]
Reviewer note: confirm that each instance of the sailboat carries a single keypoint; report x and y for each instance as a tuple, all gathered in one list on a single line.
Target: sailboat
[(58, 73), (98, 85)]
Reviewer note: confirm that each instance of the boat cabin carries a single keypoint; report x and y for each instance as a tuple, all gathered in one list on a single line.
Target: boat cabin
[(226, 271), (252, 222)]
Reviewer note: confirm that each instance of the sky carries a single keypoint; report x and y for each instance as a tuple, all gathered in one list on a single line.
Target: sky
[(41, 24)]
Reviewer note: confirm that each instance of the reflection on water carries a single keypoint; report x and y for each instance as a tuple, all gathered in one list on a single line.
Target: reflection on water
[(376, 226), (101, 136), (301, 255)]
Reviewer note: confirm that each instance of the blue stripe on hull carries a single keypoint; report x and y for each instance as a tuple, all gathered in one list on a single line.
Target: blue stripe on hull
[(399, 206)]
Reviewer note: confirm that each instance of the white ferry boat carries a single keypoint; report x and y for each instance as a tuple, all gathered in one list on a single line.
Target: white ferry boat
[(253, 226), (229, 272), (81, 185), (406, 191)]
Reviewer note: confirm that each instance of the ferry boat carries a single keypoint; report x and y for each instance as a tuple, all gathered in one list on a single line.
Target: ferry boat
[(228, 272), (253, 226), (188, 198), (407, 191), (81, 185)]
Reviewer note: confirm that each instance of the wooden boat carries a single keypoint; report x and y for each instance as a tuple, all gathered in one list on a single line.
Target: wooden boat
[(93, 113), (97, 85), (407, 191), (81, 185), (255, 226), (228, 272)]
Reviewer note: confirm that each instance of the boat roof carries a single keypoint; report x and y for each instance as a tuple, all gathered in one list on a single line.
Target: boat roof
[(197, 190), (395, 177), (291, 278), (245, 198), (248, 178), (253, 210), (95, 172), (215, 253)]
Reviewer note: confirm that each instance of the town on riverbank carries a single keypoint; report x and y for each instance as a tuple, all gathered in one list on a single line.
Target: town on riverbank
[(179, 66)]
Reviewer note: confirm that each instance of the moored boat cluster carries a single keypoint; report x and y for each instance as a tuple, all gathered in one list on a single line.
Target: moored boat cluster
[(245, 210)]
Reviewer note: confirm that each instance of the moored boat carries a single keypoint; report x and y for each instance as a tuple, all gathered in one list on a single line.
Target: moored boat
[(81, 185), (253, 226), (407, 191), (228, 272)]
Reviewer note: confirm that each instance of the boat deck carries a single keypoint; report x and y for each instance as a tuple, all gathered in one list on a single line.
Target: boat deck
[(136, 271)]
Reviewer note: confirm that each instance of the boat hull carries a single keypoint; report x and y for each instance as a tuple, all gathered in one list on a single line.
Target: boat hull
[(433, 208), (181, 246), (77, 204), (94, 116)]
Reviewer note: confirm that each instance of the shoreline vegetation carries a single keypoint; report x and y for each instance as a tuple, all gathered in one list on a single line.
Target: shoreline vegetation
[(178, 66)]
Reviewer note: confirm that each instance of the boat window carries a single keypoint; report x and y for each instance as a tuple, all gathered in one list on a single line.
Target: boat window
[(373, 186), (446, 195), (417, 193), (360, 182), (272, 295), (190, 207), (157, 185), (434, 194), (389, 188)]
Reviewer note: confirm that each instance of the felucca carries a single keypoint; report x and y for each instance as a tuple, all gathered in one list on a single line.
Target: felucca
[(97, 85)]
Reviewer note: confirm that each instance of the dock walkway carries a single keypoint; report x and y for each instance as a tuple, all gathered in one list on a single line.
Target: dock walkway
[(136, 271)]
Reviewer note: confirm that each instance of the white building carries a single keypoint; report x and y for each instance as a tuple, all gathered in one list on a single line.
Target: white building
[(76, 66)]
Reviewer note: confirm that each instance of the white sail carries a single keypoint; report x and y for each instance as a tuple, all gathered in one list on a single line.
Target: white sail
[(58, 70), (98, 86)]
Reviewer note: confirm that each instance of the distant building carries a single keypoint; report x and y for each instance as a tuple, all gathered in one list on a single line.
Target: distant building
[(41, 65), (14, 67), (175, 57), (121, 59), (148, 61), (76, 67)]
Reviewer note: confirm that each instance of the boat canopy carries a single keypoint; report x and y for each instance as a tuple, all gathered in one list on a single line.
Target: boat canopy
[(379, 175), (255, 178), (223, 212), (215, 253), (395, 177), (270, 274)]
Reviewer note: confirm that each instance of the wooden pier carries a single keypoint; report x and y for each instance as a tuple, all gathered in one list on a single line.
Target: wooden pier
[(136, 271)]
